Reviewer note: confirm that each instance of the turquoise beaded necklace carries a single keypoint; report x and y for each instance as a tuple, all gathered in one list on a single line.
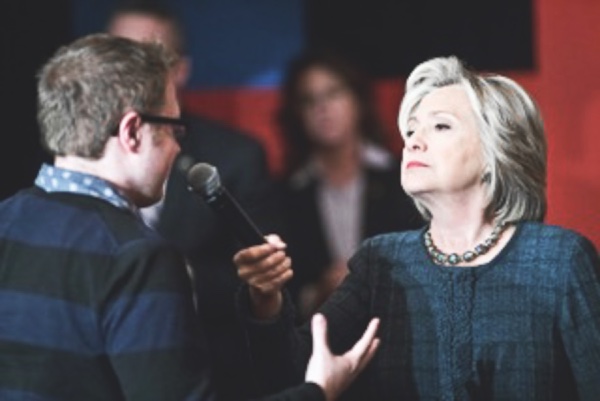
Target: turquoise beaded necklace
[(441, 258)]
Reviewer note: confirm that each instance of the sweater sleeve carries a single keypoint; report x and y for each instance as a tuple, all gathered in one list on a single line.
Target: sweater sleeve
[(302, 392), (579, 318), (150, 329), (274, 345), (280, 351)]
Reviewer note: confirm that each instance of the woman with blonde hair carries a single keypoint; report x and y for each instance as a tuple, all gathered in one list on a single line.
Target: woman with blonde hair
[(486, 302)]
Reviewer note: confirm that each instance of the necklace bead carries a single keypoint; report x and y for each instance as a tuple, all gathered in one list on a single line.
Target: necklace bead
[(441, 258)]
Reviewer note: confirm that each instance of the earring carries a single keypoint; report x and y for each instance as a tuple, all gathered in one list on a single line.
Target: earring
[(486, 177)]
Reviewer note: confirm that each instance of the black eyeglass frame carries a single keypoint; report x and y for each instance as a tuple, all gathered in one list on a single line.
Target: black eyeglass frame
[(178, 122), (155, 119)]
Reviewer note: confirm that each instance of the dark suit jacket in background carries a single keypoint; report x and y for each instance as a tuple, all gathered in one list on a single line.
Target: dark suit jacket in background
[(186, 220), (386, 208)]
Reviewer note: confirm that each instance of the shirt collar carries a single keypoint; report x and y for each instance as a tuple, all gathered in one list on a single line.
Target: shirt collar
[(56, 179)]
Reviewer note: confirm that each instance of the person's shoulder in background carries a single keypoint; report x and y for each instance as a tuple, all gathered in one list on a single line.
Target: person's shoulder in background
[(243, 166), (208, 140)]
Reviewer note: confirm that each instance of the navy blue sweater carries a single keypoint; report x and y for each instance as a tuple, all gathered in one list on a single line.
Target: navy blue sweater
[(94, 305), (525, 326), (81, 283)]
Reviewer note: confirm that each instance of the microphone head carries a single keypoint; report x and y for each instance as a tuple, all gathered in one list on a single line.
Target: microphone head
[(203, 179)]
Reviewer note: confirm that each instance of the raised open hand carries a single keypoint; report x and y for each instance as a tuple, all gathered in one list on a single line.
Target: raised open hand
[(334, 373)]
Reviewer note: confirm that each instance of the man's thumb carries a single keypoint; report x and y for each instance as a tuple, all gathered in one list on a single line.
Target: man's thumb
[(319, 333)]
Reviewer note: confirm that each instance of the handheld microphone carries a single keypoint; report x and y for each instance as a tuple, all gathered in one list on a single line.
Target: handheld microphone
[(203, 179)]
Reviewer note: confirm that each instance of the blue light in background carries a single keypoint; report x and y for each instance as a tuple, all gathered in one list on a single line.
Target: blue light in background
[(232, 43)]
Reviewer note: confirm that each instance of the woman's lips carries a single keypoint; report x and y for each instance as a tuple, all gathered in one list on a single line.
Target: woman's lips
[(413, 163)]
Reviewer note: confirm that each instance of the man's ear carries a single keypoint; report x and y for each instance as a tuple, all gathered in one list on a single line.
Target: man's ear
[(182, 71), (129, 135)]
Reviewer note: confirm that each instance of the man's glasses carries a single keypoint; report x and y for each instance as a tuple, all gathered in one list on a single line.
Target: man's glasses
[(179, 125)]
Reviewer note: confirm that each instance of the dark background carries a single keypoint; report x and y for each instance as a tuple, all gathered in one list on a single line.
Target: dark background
[(388, 38), (31, 31)]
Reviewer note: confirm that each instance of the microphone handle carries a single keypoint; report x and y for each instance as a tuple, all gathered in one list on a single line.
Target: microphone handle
[(234, 216)]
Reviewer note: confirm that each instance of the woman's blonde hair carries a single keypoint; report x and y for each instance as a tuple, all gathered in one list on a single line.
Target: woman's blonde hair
[(511, 132)]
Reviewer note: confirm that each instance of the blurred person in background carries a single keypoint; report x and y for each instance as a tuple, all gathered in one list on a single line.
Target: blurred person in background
[(185, 219), (341, 184)]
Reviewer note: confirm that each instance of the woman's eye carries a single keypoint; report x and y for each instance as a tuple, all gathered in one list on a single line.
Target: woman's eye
[(409, 133), (442, 126)]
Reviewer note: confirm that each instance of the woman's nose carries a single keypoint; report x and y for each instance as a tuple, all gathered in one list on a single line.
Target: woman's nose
[(415, 141)]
